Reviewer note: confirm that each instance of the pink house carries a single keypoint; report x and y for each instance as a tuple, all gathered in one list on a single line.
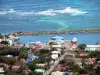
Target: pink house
[(91, 61), (38, 46), (15, 68), (22, 59), (83, 54), (84, 74), (16, 47), (2, 45), (2, 64), (61, 67)]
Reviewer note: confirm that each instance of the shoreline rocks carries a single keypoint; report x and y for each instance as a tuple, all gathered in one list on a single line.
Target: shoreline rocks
[(54, 32)]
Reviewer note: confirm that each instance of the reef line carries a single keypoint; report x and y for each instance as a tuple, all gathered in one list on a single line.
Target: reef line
[(54, 32)]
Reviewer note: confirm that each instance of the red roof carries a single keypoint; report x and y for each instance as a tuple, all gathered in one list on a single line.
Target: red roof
[(22, 59), (16, 47), (83, 54), (60, 67), (2, 45), (16, 67), (91, 60), (39, 46), (1, 63), (84, 74), (98, 65)]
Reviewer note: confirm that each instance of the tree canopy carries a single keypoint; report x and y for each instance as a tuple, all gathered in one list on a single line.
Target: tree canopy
[(82, 46)]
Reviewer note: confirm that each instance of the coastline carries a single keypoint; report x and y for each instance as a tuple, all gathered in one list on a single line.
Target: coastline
[(54, 32)]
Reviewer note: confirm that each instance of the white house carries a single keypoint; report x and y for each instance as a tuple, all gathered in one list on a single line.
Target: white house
[(55, 54), (2, 71), (56, 46), (92, 47), (57, 39), (74, 40)]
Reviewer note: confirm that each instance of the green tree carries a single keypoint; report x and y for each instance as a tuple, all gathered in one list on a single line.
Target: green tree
[(82, 46), (32, 66), (97, 71), (75, 68), (23, 55), (5, 42), (82, 71), (94, 54)]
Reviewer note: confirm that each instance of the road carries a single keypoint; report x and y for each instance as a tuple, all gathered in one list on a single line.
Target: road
[(67, 45)]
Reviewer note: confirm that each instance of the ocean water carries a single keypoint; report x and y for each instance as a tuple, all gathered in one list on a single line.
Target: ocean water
[(89, 38), (37, 15)]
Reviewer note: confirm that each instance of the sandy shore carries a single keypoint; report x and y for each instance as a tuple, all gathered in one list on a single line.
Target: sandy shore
[(55, 32)]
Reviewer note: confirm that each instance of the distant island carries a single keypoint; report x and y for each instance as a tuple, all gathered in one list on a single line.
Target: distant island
[(54, 32)]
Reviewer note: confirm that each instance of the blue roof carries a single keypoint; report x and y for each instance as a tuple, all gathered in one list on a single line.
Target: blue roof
[(66, 73), (28, 61), (57, 37), (32, 56)]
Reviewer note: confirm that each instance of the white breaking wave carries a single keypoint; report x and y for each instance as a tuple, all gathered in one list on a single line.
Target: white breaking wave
[(67, 10), (7, 12), (49, 12)]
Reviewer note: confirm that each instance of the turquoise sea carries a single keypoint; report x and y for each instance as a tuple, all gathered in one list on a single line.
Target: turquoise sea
[(88, 38), (38, 15)]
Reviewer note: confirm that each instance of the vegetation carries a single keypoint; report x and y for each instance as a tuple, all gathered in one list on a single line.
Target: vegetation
[(5, 42), (32, 66), (94, 54), (82, 46)]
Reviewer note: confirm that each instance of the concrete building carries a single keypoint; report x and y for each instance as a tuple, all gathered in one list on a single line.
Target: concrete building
[(92, 47)]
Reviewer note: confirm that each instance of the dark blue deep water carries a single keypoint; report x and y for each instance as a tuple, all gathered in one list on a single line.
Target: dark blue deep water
[(36, 15)]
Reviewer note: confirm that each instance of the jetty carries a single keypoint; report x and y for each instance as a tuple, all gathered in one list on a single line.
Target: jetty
[(54, 32)]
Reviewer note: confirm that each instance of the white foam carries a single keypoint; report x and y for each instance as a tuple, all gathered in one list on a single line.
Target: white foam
[(11, 11), (49, 12), (67, 10), (7, 11), (3, 12)]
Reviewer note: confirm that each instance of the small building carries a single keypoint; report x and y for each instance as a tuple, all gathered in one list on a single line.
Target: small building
[(74, 40), (92, 47), (55, 54), (16, 47), (61, 67), (41, 65), (8, 56), (0, 39), (84, 74), (38, 45), (83, 54), (2, 64), (39, 70), (57, 73), (66, 73), (22, 60), (28, 61), (56, 46), (57, 39), (2, 71), (32, 56), (2, 45), (15, 68), (91, 61)]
